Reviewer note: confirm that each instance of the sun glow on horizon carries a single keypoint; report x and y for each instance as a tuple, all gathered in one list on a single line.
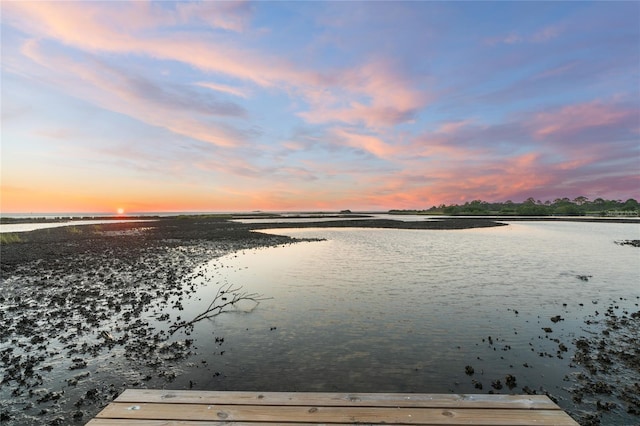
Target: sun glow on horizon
[(120, 211)]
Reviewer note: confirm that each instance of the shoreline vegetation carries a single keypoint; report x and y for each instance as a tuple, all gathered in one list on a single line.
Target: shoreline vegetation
[(81, 308), (579, 206)]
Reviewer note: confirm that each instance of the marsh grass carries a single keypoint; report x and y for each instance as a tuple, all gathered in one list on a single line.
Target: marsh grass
[(73, 230), (224, 216), (10, 238)]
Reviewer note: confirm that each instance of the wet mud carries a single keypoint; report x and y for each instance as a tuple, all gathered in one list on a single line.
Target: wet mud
[(602, 381), (81, 309)]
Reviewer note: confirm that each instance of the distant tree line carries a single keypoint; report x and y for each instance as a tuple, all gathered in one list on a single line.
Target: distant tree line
[(579, 206)]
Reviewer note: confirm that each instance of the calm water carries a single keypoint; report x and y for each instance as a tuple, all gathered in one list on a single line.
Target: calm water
[(26, 227), (403, 310)]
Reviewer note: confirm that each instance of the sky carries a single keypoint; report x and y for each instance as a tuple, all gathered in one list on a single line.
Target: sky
[(305, 106)]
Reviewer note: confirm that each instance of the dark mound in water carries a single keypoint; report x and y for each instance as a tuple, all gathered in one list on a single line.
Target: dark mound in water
[(454, 223), (633, 243)]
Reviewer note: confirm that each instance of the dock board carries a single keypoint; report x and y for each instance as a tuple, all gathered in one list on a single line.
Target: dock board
[(138, 407)]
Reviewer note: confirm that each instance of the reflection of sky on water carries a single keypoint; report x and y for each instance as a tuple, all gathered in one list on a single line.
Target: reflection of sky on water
[(404, 310), (26, 227), (299, 219)]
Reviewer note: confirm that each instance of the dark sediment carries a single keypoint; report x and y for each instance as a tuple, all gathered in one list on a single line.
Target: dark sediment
[(76, 302), (602, 384), (633, 243), (453, 223), (609, 363)]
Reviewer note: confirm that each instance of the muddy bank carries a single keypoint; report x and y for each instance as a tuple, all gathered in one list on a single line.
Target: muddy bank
[(454, 223), (608, 360), (81, 311), (601, 385)]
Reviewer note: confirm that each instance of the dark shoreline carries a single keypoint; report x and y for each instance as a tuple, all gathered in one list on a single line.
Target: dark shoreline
[(74, 297), (445, 223)]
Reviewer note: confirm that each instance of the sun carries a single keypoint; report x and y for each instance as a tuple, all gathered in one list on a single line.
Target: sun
[(120, 210)]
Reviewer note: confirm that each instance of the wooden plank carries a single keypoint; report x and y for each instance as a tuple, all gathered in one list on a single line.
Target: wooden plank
[(128, 422), (339, 399), (144, 407), (313, 414)]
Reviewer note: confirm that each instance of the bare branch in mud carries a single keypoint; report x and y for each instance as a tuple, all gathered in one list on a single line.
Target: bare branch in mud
[(227, 296)]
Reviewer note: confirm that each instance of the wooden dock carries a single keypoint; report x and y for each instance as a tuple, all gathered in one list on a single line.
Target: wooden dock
[(138, 407)]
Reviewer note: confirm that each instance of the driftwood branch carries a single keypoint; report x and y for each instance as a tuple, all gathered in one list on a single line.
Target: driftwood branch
[(227, 296)]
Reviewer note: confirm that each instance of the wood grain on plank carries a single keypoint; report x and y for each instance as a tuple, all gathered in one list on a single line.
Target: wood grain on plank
[(339, 399), (329, 414)]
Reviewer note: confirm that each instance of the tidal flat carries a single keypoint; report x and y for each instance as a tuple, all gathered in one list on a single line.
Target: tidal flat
[(88, 310)]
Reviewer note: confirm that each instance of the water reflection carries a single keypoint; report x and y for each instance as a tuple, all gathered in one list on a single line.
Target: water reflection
[(376, 310), (26, 227)]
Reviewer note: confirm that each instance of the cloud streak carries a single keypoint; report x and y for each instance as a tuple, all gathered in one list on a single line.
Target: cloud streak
[(373, 93), (172, 107)]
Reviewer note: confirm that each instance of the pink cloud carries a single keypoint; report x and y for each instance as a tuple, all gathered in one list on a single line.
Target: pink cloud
[(543, 35), (368, 143), (511, 38), (450, 141), (498, 182), (64, 20), (452, 126), (574, 118), (223, 88), (232, 16), (291, 145), (457, 161), (546, 34), (447, 181), (112, 89), (374, 94), (96, 27), (437, 146), (557, 71)]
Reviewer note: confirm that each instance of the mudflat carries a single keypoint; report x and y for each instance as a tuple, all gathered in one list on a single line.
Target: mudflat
[(76, 301), (83, 313)]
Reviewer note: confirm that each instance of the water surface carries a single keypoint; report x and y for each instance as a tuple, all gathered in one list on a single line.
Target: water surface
[(26, 227), (375, 310)]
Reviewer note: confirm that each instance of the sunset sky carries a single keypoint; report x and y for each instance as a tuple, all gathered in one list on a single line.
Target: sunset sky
[(231, 106)]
